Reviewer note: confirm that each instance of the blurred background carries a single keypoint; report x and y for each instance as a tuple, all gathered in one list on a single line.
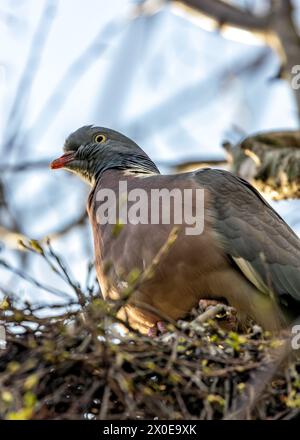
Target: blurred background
[(180, 78)]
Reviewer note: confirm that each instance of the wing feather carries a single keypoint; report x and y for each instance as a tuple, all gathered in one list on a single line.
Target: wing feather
[(263, 246)]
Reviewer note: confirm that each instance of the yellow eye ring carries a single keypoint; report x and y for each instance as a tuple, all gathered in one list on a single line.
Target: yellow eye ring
[(99, 138)]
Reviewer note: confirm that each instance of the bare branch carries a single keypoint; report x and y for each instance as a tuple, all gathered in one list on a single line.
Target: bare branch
[(224, 13), (275, 29), (33, 281), (13, 238), (25, 166)]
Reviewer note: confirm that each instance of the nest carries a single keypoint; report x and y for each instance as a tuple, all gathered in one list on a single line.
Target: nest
[(75, 366)]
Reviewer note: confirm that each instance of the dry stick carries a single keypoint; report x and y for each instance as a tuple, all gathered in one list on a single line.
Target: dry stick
[(172, 356), (210, 313), (182, 406), (247, 402), (292, 414), (105, 402), (67, 276)]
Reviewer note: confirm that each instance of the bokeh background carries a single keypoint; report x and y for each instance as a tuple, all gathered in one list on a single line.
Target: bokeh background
[(176, 84)]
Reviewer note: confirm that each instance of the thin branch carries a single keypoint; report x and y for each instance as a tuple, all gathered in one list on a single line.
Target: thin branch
[(25, 166), (14, 238), (33, 281)]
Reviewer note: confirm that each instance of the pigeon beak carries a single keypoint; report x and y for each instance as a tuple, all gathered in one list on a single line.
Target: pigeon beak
[(63, 160)]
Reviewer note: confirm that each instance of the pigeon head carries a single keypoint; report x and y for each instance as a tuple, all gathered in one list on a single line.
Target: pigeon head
[(90, 151)]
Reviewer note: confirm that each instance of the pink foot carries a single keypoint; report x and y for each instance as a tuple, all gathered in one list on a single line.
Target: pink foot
[(161, 327), (152, 332), (158, 327), (206, 303)]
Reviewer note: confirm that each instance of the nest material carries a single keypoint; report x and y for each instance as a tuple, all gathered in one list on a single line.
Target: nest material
[(71, 367)]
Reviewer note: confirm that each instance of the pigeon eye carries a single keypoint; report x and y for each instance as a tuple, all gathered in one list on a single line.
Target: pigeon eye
[(99, 138)]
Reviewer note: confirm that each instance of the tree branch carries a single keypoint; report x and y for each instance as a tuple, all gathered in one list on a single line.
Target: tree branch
[(12, 238), (275, 29), (225, 13)]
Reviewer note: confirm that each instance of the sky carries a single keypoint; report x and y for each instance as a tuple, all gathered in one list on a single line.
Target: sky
[(177, 90)]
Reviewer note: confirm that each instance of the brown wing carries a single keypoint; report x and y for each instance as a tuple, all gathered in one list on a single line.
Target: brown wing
[(259, 241)]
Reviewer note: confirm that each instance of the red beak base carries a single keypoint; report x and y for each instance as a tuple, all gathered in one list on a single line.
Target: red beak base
[(62, 161)]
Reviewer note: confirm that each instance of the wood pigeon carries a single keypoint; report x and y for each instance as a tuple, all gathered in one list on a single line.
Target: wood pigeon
[(245, 253)]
